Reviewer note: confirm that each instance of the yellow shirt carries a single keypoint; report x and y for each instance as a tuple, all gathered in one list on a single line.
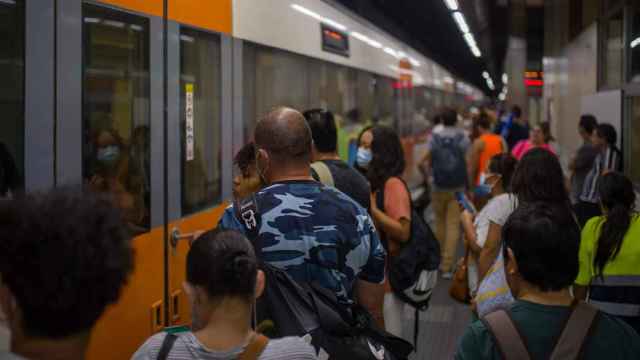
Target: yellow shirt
[(627, 262)]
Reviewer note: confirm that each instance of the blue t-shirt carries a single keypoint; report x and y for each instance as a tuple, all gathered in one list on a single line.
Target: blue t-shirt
[(306, 227)]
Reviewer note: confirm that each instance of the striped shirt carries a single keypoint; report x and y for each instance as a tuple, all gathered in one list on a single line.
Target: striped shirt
[(609, 159), (187, 347)]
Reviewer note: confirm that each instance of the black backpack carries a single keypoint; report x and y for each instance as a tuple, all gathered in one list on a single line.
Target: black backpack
[(448, 161), (292, 308), (413, 273)]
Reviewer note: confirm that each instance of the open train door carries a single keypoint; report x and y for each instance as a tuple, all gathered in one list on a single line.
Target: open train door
[(142, 114)]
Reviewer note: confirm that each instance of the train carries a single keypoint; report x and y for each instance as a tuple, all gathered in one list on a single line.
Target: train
[(149, 101)]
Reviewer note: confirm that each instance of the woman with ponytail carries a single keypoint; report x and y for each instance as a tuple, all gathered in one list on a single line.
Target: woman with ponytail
[(223, 282), (610, 252)]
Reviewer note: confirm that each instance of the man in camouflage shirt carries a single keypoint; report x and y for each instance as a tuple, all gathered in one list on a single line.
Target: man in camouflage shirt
[(308, 229)]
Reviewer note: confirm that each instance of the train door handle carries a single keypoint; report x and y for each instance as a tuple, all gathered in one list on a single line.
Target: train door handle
[(176, 236)]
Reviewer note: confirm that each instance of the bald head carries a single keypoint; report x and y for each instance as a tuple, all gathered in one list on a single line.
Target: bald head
[(285, 135)]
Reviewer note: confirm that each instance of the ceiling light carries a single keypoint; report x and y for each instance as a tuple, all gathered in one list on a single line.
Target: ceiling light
[(502, 97), (485, 75), (476, 52), (635, 43), (471, 41), (451, 4), (318, 17), (505, 78), (135, 27), (414, 62), (187, 38), (391, 52), (113, 23), (462, 23), (89, 20)]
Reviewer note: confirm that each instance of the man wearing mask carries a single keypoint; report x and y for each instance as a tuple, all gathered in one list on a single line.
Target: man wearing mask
[(304, 224)]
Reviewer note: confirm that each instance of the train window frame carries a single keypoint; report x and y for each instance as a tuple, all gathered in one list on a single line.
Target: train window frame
[(119, 16), (17, 159), (217, 197)]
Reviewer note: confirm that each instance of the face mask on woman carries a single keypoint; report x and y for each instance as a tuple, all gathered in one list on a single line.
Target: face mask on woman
[(363, 158), (108, 154)]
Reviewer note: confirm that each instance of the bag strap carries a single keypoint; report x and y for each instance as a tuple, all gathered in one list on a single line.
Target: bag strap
[(324, 173), (255, 348), (508, 339), (575, 333), (167, 345)]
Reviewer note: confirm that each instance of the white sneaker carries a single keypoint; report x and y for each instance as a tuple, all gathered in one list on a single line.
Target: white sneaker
[(447, 275)]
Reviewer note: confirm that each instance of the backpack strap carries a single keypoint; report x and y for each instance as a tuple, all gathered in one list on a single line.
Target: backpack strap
[(255, 348), (167, 345), (575, 333), (324, 173), (508, 338)]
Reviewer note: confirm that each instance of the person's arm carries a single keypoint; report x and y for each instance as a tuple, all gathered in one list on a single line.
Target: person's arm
[(580, 292), (371, 297), (471, 238), (395, 230), (489, 251)]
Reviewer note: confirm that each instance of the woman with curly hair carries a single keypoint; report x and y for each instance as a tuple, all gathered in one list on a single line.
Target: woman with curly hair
[(390, 204)]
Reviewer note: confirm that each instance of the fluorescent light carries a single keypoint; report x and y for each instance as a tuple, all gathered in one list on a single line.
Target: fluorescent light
[(476, 52), (336, 25), (318, 17), (135, 27), (366, 40), (462, 23), (414, 62), (113, 23), (401, 54), (187, 38), (88, 20), (505, 78), (502, 97), (391, 52), (635, 43), (448, 79), (485, 75), (471, 41), (451, 4)]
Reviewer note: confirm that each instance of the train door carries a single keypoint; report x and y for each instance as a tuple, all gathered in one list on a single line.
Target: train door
[(141, 115)]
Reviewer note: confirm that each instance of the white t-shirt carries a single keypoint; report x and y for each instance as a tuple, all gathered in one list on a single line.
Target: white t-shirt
[(497, 211)]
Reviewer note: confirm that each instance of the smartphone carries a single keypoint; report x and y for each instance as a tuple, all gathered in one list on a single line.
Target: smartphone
[(464, 201)]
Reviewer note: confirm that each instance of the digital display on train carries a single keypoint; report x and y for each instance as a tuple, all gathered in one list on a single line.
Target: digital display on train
[(334, 41)]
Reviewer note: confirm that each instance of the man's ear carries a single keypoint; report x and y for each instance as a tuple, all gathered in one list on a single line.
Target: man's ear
[(260, 284)]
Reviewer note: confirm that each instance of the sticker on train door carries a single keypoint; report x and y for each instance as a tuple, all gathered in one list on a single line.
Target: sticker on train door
[(189, 137)]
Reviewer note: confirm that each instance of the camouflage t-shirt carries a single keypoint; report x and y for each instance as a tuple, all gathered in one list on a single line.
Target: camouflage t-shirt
[(306, 227)]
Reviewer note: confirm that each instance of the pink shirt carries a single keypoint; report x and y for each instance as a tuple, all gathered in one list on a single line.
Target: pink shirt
[(524, 146)]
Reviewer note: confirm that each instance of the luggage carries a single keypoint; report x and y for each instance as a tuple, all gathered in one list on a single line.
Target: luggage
[(336, 330)]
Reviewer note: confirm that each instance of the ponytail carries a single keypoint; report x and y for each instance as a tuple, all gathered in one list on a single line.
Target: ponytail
[(618, 198)]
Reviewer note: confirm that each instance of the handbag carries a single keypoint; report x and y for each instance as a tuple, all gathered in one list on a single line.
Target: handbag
[(494, 292), (459, 289)]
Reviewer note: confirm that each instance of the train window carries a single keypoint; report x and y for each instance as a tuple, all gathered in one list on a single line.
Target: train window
[(635, 45), (12, 22), (116, 109), (613, 51), (274, 78), (633, 122), (385, 100), (200, 96)]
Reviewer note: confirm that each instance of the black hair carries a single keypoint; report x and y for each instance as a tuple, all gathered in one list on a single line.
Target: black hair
[(545, 240), (618, 199), (65, 255), (516, 111), (360, 169), (505, 165), (388, 157), (224, 264), (437, 120), (539, 177), (449, 117), (245, 157), (483, 122), (607, 132), (323, 129), (589, 123), (545, 126)]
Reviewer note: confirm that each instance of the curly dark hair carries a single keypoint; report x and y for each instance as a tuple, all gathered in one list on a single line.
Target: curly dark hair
[(539, 177), (388, 157), (65, 255), (224, 264), (245, 157)]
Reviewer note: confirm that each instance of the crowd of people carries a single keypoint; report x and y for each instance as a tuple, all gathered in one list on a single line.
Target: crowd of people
[(552, 260)]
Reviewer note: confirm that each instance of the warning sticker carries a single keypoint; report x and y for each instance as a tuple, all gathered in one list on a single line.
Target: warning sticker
[(189, 136)]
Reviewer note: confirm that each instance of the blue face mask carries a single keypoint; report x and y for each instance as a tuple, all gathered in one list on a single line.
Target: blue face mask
[(108, 154), (363, 158)]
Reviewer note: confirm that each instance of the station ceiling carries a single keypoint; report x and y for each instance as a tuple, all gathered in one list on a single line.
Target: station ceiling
[(427, 26)]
